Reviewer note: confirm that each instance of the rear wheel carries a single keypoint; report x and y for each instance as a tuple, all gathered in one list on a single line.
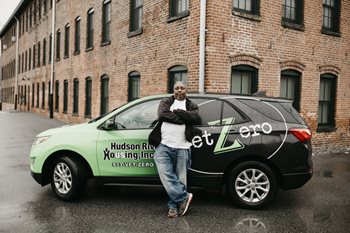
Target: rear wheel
[(252, 185), (68, 178)]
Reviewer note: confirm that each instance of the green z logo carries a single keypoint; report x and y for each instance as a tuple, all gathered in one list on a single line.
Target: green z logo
[(220, 145)]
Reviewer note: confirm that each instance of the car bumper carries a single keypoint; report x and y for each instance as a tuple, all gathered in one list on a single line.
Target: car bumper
[(37, 177), (292, 181)]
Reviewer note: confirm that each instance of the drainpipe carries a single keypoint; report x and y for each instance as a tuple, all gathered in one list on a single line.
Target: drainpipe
[(1, 75), (16, 68), (52, 57), (202, 46)]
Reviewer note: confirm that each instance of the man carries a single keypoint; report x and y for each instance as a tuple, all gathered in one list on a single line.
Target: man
[(172, 136)]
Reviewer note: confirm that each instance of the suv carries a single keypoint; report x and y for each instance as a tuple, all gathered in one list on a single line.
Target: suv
[(253, 145)]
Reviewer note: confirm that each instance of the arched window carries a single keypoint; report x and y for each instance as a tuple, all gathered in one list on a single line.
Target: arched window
[(290, 87), (106, 21), (244, 80), (134, 86), (77, 36), (58, 45), (104, 95), (90, 30), (66, 41), (176, 73)]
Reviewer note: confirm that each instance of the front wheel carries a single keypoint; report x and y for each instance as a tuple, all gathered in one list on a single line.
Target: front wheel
[(252, 185), (68, 178)]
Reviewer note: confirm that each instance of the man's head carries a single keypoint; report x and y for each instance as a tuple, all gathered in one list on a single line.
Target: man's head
[(180, 90)]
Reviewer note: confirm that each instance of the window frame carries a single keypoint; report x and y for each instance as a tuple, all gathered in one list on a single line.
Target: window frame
[(104, 101), (329, 125), (253, 14), (77, 25), (106, 24), (90, 30), (132, 78), (58, 44), (254, 72), (65, 96), (88, 96), (135, 20), (298, 22), (57, 95), (296, 77), (334, 27), (175, 14), (174, 70), (66, 41), (75, 96)]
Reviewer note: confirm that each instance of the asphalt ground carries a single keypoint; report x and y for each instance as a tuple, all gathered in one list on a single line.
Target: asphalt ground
[(322, 205)]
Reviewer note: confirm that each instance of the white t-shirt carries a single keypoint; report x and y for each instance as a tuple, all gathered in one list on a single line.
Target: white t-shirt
[(173, 135)]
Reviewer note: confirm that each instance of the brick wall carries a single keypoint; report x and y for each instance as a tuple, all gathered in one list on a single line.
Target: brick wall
[(230, 40)]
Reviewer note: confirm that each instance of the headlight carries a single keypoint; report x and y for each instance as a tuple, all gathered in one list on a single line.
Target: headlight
[(39, 140)]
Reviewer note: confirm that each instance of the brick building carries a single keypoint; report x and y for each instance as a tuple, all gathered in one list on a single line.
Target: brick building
[(108, 52)]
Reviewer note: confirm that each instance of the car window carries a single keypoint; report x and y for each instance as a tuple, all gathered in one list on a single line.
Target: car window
[(209, 110), (140, 116), (230, 113)]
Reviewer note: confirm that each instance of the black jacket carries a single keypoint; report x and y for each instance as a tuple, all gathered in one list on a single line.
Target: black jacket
[(189, 117)]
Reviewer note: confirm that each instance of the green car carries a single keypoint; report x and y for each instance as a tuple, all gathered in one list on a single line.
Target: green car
[(253, 145)]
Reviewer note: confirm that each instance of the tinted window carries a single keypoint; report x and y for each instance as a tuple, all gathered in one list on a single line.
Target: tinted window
[(229, 112), (286, 109)]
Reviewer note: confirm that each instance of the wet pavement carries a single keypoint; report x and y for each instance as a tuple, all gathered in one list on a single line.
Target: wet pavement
[(322, 205)]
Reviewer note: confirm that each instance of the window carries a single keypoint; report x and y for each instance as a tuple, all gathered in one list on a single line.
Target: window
[(178, 8), (135, 15), (45, 6), (37, 94), (25, 67), (106, 22), (39, 8), (104, 94), (326, 103), (50, 46), (290, 87), (33, 94), (88, 96), (144, 116), (49, 96), (292, 11), (34, 56), (331, 13), (76, 96), (177, 73), (30, 59), (90, 30), (34, 12), (43, 96), (57, 95), (44, 52), (247, 6), (39, 55), (65, 96), (58, 45), (66, 41), (77, 36), (244, 80), (134, 86)]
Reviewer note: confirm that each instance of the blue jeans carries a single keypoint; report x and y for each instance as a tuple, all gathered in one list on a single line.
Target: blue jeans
[(172, 165)]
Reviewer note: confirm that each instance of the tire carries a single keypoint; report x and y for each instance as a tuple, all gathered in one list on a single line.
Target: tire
[(248, 192), (68, 178)]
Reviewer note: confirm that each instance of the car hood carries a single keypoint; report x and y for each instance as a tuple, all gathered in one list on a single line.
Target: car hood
[(63, 129)]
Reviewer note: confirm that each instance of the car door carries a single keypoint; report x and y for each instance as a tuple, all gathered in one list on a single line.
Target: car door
[(220, 141), (123, 149)]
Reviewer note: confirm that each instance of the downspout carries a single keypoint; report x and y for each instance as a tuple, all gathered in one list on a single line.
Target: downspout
[(1, 75), (52, 57), (202, 46), (16, 63)]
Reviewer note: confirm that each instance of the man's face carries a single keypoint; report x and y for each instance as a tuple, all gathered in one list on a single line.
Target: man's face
[(180, 91)]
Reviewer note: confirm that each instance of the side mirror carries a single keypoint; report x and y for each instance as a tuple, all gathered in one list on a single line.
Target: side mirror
[(109, 124)]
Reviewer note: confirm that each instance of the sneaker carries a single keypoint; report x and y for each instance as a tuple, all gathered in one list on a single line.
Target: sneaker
[(184, 204), (173, 213)]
